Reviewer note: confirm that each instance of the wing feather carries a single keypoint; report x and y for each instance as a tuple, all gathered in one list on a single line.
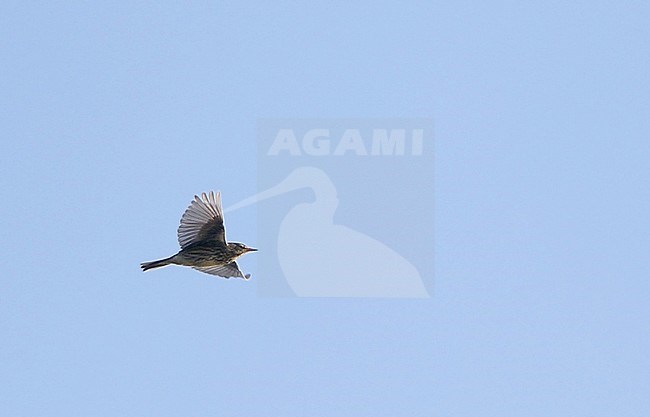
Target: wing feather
[(225, 271), (203, 220)]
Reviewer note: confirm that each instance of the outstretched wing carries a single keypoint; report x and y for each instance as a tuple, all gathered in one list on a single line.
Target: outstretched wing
[(203, 220), (225, 271)]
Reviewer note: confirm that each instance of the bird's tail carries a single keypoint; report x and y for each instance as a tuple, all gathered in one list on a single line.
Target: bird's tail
[(156, 264)]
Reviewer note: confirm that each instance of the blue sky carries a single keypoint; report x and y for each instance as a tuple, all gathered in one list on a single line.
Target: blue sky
[(114, 114)]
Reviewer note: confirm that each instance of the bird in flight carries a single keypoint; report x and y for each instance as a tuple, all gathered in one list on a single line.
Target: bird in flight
[(203, 241)]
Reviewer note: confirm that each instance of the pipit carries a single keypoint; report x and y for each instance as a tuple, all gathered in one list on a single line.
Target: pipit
[(203, 241)]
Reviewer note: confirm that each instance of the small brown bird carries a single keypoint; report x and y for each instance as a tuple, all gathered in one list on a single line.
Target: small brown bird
[(203, 241)]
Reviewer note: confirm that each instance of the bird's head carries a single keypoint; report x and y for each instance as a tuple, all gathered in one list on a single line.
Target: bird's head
[(239, 248)]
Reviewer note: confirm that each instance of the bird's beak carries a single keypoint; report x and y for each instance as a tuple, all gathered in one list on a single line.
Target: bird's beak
[(250, 249), (290, 183)]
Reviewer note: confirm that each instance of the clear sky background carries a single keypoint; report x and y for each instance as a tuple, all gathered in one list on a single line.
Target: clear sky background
[(113, 114)]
